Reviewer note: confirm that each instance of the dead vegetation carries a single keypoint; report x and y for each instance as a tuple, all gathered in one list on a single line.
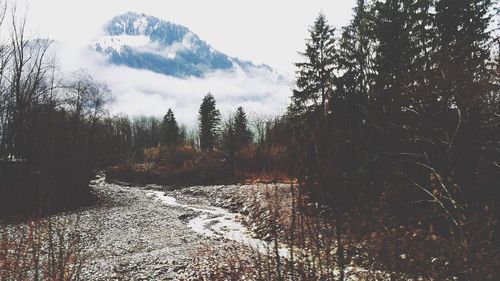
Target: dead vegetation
[(43, 249)]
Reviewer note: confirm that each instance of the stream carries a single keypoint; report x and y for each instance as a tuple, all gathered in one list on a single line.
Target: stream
[(146, 233), (153, 233), (215, 222)]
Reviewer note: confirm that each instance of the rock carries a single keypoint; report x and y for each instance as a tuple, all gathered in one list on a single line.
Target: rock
[(179, 268), (186, 217)]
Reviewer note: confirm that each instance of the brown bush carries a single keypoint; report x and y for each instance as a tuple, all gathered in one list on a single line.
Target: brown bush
[(49, 249), (175, 165)]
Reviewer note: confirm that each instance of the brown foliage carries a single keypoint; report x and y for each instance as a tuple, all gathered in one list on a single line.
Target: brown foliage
[(175, 165), (50, 249)]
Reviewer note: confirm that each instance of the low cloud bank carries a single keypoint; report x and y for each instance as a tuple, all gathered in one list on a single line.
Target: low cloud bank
[(142, 92)]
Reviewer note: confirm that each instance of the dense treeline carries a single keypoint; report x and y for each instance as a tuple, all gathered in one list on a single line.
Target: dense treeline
[(219, 151), (48, 126), (396, 125)]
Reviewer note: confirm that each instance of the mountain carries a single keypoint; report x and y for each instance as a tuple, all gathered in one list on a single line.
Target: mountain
[(146, 42)]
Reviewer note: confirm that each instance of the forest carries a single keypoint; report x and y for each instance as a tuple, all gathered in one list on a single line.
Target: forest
[(393, 130)]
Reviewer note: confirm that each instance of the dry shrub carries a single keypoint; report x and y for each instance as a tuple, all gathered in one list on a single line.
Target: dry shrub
[(48, 249), (269, 214), (234, 261), (151, 156), (426, 244), (178, 157), (175, 165), (288, 218), (268, 178), (245, 159)]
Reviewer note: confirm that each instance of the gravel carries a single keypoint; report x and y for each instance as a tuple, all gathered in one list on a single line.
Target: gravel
[(137, 237), (131, 235), (134, 235)]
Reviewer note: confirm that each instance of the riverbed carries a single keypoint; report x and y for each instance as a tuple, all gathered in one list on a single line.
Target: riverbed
[(146, 233), (159, 233)]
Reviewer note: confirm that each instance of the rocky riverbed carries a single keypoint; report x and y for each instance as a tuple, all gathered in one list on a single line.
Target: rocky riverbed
[(154, 233), (158, 233)]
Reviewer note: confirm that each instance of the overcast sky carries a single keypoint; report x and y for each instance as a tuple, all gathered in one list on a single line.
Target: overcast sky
[(263, 31)]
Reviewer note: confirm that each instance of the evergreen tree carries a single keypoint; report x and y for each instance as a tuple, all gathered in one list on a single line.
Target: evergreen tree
[(209, 120), (354, 52), (403, 66), (230, 141), (462, 50), (235, 135), (462, 83), (169, 129), (183, 134), (354, 68), (402, 86), (393, 59), (242, 133), (421, 31), (314, 82)]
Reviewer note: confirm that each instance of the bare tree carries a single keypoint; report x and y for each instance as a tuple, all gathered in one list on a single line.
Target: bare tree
[(29, 67)]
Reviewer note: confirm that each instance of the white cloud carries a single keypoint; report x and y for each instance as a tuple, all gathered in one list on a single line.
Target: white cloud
[(270, 32), (263, 31), (142, 92)]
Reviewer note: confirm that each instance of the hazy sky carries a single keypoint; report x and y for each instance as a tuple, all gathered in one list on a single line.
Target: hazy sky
[(264, 31)]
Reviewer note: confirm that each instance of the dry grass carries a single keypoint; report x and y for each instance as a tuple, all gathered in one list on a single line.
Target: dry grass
[(267, 178), (305, 230), (48, 249)]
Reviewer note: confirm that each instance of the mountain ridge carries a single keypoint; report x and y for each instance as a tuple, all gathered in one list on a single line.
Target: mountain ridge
[(146, 42)]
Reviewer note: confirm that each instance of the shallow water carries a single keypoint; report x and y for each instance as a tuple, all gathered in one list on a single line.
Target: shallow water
[(215, 222)]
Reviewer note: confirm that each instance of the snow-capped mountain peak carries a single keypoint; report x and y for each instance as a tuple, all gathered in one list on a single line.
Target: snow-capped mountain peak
[(146, 42)]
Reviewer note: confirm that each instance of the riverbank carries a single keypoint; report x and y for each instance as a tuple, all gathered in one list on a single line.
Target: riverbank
[(142, 233), (155, 232)]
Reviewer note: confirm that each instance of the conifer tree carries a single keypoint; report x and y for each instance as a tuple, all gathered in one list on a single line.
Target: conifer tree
[(183, 134), (169, 129), (230, 141), (242, 133), (314, 82), (462, 83), (392, 57), (421, 31), (354, 67), (354, 48), (209, 121), (462, 49)]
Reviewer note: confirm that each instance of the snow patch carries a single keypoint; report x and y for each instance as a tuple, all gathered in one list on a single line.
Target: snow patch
[(116, 42), (187, 41), (141, 24)]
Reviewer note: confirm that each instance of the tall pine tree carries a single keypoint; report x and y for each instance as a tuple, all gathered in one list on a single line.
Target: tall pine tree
[(169, 131), (392, 57), (242, 132), (462, 52), (314, 82), (229, 141), (354, 68), (209, 121)]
